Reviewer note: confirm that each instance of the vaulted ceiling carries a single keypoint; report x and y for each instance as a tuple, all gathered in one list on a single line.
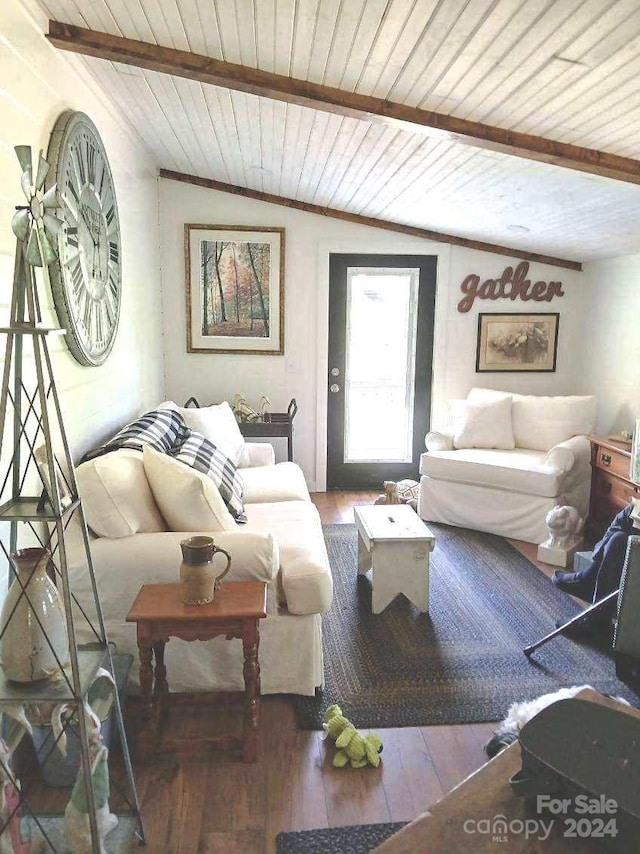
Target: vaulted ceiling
[(564, 70)]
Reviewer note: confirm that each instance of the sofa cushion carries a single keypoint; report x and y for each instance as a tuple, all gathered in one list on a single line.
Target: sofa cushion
[(541, 422), (188, 499), (216, 423), (116, 497), (304, 565), (520, 470), (485, 424), (160, 428), (281, 482), (199, 453)]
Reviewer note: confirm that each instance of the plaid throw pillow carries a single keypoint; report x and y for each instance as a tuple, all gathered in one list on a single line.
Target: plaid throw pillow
[(201, 454), (160, 428)]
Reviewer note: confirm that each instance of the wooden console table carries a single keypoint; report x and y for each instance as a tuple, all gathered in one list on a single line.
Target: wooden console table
[(160, 614), (611, 484), (273, 425)]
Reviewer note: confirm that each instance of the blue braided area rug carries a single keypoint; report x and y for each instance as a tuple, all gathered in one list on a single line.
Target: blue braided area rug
[(463, 661)]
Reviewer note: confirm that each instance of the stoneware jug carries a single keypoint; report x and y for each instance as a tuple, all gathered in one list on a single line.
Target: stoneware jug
[(33, 612), (200, 578)]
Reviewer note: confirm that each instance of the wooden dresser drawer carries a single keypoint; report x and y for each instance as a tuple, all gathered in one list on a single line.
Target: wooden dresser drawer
[(611, 484), (607, 487), (613, 461)]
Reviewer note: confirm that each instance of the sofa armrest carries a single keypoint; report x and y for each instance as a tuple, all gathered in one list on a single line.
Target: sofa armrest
[(574, 453), (257, 454), (438, 442), (156, 558)]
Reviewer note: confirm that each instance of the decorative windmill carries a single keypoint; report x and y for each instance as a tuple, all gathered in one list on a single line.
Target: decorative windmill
[(36, 230), (29, 391)]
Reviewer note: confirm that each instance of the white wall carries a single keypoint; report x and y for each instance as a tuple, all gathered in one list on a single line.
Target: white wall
[(37, 83), (611, 340), (302, 372)]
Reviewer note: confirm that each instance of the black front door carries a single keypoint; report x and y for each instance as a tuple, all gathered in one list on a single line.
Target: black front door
[(381, 312)]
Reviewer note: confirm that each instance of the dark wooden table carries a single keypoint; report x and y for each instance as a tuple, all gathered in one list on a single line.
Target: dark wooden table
[(269, 430), (484, 796), (160, 614), (273, 425)]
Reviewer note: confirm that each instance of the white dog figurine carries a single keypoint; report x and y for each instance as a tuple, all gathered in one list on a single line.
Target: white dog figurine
[(564, 525), (520, 713)]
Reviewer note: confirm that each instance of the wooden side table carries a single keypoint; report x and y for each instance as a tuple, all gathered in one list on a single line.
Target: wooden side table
[(160, 614)]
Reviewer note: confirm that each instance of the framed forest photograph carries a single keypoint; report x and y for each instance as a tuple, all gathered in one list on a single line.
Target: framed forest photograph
[(234, 289), (517, 342)]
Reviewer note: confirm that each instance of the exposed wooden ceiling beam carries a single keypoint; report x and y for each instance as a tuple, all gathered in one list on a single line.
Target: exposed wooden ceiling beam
[(387, 225), (182, 63)]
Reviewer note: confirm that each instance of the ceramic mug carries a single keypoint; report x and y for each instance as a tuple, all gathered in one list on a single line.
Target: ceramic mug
[(200, 578)]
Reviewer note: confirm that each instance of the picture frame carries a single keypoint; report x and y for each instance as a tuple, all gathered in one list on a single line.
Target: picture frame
[(517, 343), (41, 457), (234, 288)]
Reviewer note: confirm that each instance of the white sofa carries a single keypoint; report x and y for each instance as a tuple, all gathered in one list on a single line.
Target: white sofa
[(282, 544), (507, 460)]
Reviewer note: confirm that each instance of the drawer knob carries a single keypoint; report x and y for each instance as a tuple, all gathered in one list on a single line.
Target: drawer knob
[(606, 487), (605, 459)]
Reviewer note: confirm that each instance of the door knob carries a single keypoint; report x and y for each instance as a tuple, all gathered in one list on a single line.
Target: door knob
[(334, 387), (335, 372)]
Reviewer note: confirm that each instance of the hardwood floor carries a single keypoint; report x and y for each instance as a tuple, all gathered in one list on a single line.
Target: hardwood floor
[(215, 803)]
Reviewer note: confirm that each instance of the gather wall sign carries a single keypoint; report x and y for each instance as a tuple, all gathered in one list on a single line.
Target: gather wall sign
[(511, 285)]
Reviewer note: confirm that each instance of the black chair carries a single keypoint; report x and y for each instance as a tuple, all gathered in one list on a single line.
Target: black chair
[(627, 634), (626, 642)]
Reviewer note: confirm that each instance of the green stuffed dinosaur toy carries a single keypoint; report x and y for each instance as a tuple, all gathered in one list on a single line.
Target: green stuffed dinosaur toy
[(352, 747)]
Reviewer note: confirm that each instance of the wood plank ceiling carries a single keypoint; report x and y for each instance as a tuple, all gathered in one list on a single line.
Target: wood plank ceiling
[(562, 69)]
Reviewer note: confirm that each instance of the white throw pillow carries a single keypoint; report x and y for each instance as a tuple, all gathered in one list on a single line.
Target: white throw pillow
[(116, 497), (482, 425), (188, 499), (216, 423), (540, 422)]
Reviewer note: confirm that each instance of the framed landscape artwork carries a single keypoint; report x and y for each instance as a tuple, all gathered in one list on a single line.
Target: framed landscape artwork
[(234, 289), (517, 342)]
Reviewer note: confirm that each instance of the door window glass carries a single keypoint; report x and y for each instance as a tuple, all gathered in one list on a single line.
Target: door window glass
[(380, 364)]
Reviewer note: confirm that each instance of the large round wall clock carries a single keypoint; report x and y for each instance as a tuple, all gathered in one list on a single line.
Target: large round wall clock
[(86, 280)]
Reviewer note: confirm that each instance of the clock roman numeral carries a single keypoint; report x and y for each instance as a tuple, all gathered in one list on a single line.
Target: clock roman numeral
[(110, 308), (113, 287), (87, 316), (91, 162), (72, 236), (99, 323), (82, 166), (113, 252), (102, 177), (77, 279), (110, 215), (72, 189)]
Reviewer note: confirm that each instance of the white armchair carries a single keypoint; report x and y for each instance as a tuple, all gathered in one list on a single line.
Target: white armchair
[(504, 475)]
